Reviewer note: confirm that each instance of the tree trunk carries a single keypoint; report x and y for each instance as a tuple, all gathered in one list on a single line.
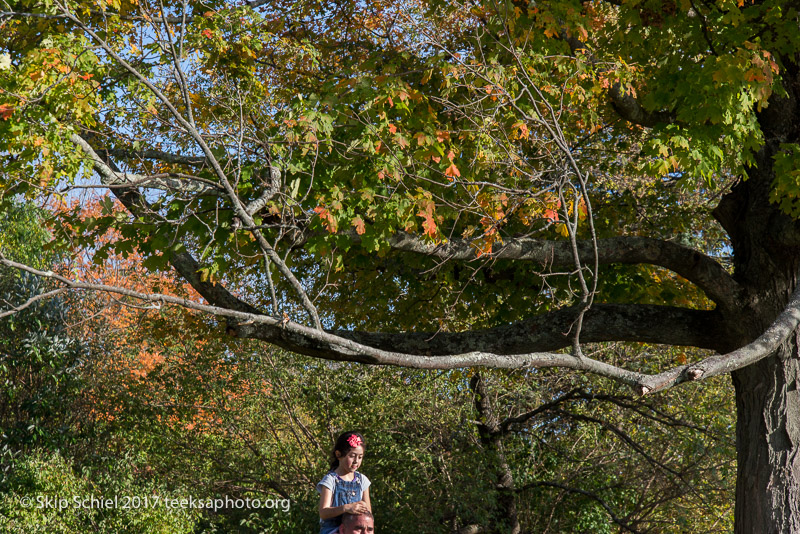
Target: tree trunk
[(505, 515), (768, 444), (766, 245)]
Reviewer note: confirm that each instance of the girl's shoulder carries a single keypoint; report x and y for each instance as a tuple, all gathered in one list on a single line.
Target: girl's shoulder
[(365, 482), (328, 481)]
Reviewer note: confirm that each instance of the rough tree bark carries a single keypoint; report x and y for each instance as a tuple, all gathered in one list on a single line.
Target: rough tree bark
[(766, 260)]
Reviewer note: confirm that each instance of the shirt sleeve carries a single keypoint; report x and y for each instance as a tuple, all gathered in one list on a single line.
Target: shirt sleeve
[(328, 481), (365, 483)]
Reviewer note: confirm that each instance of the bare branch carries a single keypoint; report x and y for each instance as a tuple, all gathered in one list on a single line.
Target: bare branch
[(766, 345), (237, 203), (603, 323), (272, 186), (314, 342), (30, 301)]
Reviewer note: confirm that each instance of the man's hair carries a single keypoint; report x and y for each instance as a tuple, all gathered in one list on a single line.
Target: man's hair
[(347, 518)]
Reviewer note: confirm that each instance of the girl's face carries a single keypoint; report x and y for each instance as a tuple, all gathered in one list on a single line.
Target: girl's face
[(351, 460)]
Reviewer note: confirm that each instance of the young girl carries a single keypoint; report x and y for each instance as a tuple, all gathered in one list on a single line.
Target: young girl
[(343, 490)]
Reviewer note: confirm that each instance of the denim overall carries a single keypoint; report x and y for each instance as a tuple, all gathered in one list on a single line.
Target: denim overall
[(345, 492)]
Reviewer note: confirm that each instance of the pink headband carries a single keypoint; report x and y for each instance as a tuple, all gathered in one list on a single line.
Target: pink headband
[(354, 441)]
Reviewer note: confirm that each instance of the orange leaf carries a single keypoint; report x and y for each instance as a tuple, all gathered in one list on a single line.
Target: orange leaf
[(484, 246), (358, 222), (328, 219), (452, 172), (6, 111), (429, 224)]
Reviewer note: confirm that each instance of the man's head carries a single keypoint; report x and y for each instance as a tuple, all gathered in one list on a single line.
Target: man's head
[(357, 524)]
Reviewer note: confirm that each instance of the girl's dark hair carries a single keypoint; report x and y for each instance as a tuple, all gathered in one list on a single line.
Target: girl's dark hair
[(343, 446)]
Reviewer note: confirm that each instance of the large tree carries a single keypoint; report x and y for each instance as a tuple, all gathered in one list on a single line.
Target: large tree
[(440, 185)]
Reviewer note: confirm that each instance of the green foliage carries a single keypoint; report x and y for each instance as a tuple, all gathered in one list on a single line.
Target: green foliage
[(43, 493), (39, 359), (786, 189)]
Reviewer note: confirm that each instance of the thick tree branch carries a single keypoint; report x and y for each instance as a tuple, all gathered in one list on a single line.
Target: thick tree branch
[(628, 107), (696, 267), (511, 346), (603, 323), (110, 177), (271, 178), (183, 262), (160, 155), (322, 344), (551, 331)]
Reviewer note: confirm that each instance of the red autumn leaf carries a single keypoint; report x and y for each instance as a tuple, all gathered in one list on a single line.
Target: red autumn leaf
[(551, 215), (6, 111), (207, 33), (393, 128)]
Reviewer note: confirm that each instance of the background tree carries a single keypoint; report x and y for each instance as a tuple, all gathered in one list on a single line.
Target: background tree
[(39, 359), (436, 185)]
